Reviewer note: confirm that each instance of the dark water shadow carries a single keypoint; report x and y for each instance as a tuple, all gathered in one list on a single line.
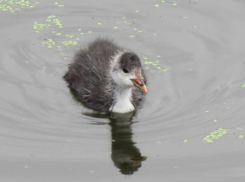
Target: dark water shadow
[(124, 153)]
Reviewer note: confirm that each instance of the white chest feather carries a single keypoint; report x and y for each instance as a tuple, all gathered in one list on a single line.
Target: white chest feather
[(123, 102)]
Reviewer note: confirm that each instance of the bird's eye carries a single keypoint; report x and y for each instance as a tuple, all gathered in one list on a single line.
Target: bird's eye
[(125, 70)]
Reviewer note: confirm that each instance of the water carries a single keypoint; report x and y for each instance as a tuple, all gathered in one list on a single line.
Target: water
[(191, 127)]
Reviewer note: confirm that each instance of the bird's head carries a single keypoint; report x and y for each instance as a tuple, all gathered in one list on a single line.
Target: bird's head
[(126, 71)]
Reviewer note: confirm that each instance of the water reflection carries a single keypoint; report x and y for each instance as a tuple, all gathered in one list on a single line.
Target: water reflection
[(124, 154)]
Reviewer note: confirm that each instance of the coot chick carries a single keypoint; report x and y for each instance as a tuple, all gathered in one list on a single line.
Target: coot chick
[(107, 77)]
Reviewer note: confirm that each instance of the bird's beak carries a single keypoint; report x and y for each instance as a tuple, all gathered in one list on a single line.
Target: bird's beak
[(138, 82)]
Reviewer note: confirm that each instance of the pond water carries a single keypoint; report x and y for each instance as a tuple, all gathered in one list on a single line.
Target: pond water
[(192, 124)]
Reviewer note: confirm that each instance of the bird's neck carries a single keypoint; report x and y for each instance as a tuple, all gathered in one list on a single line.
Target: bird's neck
[(123, 97)]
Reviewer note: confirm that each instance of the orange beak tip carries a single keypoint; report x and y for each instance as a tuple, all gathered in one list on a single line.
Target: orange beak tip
[(143, 89)]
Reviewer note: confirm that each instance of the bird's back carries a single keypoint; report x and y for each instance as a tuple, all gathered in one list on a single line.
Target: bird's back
[(89, 74)]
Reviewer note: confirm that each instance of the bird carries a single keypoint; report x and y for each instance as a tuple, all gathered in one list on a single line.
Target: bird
[(107, 77)]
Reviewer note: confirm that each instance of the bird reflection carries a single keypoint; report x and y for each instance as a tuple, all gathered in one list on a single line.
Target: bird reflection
[(124, 154)]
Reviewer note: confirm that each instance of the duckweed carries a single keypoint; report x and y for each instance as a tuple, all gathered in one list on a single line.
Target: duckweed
[(243, 86), (155, 64), (49, 43), (56, 33), (59, 5), (215, 135), (69, 42), (40, 26), (70, 36), (240, 136), (174, 4), (164, 70), (14, 5), (52, 20), (131, 36)]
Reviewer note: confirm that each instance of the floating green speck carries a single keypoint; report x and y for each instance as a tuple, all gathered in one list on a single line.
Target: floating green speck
[(164, 70), (243, 86), (49, 43), (115, 27), (131, 36), (215, 121), (15, 5), (185, 140), (137, 11), (206, 111), (163, 1), (157, 5), (215, 135), (140, 31), (123, 17), (158, 56), (174, 4), (240, 136), (99, 23), (145, 57), (89, 31)]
